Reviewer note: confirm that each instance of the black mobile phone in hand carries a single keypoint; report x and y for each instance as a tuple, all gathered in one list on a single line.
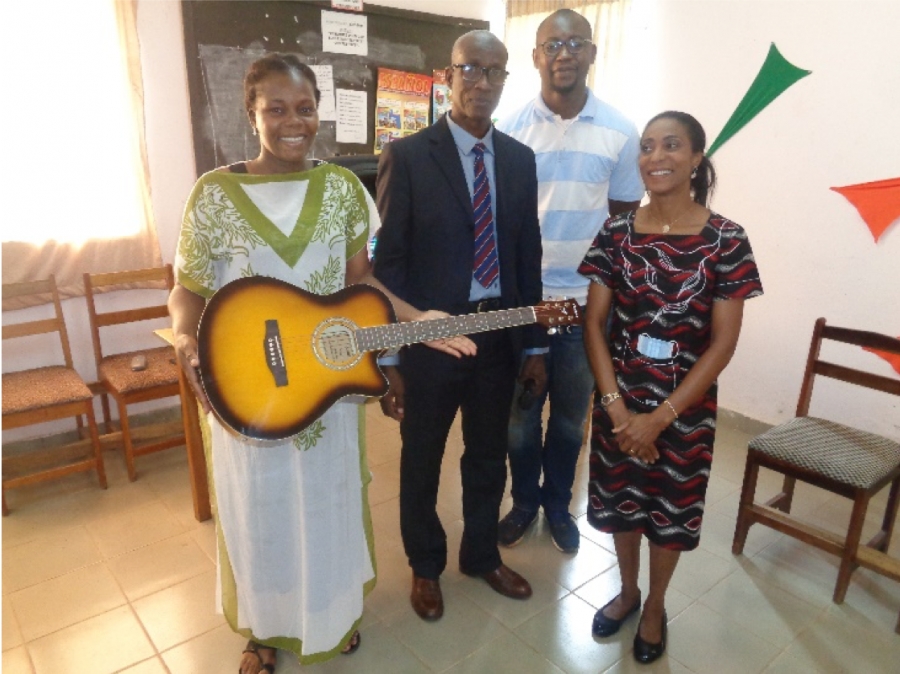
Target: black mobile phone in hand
[(528, 395)]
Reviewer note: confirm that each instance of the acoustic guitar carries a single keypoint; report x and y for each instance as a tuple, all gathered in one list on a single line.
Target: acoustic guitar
[(274, 358)]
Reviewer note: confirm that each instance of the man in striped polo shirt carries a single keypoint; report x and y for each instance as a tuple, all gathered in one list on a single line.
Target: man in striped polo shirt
[(587, 169)]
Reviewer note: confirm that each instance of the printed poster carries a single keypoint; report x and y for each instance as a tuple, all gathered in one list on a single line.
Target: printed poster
[(351, 116), (440, 98), (352, 5), (402, 103), (325, 83), (345, 33)]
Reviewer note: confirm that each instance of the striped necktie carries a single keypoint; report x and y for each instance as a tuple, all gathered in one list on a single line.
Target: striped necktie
[(486, 264)]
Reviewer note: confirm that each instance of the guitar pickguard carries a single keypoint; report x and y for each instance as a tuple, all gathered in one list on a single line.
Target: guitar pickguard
[(334, 343)]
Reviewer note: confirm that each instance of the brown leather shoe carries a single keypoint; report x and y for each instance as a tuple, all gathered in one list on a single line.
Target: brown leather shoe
[(507, 582), (426, 598)]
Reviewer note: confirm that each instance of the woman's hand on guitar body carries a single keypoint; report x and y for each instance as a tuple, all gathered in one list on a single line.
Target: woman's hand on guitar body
[(392, 401), (186, 350), (457, 347)]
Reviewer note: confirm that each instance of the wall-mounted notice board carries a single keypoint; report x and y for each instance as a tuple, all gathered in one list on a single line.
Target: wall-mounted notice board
[(222, 38)]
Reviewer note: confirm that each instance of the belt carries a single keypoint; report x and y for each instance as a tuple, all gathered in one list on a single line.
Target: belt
[(487, 304)]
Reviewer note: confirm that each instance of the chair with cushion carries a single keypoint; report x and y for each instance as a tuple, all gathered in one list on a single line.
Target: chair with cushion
[(134, 376), (847, 461), (38, 395)]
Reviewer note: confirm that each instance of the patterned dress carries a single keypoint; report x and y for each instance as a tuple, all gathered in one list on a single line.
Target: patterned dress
[(294, 535), (664, 287)]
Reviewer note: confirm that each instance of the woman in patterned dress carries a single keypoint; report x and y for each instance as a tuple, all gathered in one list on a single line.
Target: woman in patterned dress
[(674, 277), (296, 555)]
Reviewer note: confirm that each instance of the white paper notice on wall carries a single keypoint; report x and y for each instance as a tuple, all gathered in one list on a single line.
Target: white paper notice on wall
[(325, 83), (345, 33), (352, 5), (351, 116)]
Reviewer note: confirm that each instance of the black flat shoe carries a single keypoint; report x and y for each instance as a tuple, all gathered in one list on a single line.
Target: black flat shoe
[(604, 626), (644, 651)]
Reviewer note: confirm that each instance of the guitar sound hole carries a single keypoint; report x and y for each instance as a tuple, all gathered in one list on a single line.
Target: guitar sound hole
[(334, 344)]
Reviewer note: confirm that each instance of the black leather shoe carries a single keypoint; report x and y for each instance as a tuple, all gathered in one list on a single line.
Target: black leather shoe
[(644, 651), (604, 626)]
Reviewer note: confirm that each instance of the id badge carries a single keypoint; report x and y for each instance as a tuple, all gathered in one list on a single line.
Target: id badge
[(657, 349)]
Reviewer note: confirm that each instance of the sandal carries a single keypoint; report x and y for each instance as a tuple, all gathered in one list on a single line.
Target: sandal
[(353, 644), (253, 647)]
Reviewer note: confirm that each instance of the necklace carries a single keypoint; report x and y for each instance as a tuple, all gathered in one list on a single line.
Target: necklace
[(667, 227)]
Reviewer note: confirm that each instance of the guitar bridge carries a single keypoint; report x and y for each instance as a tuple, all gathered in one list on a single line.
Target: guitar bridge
[(274, 353)]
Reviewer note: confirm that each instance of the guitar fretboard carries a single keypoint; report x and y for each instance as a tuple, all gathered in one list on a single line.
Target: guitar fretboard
[(390, 336)]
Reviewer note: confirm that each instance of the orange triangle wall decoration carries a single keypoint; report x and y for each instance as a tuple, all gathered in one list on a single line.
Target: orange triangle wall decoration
[(878, 203), (892, 358)]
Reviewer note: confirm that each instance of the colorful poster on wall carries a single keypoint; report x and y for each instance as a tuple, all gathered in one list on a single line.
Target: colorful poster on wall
[(440, 97), (401, 107)]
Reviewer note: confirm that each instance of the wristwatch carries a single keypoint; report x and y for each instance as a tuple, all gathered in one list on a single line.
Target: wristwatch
[(609, 398)]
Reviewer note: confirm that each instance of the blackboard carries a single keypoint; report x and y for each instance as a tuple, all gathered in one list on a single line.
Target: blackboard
[(222, 38)]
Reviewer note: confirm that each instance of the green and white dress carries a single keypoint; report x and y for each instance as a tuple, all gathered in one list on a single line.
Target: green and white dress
[(296, 555)]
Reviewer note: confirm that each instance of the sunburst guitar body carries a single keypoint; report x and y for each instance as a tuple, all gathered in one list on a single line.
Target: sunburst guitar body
[(274, 358)]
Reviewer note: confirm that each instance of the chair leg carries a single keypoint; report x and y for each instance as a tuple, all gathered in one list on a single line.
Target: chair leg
[(126, 441), (851, 544), (744, 519), (98, 449), (890, 515), (785, 499), (107, 417)]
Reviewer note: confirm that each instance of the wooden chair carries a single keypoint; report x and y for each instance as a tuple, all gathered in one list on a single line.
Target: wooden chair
[(116, 372), (853, 463), (38, 395)]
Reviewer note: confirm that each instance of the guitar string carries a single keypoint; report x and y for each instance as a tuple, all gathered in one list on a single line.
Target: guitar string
[(398, 334), (380, 337)]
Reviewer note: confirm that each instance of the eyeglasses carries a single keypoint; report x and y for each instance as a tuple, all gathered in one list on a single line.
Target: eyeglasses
[(472, 73), (573, 45)]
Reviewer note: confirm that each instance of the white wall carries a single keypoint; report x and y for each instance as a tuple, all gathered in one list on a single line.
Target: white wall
[(835, 127)]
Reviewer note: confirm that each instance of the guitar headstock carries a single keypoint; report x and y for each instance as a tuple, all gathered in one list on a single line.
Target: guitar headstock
[(555, 314)]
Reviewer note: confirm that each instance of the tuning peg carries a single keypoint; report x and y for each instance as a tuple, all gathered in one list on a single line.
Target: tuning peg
[(552, 331)]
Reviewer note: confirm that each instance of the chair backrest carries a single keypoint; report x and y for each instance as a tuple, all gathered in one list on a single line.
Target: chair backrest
[(123, 280), (56, 324), (816, 366)]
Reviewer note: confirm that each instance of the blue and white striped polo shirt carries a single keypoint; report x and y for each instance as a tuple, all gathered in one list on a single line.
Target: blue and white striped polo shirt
[(581, 164)]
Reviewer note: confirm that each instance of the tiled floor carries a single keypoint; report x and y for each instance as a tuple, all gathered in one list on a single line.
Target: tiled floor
[(123, 580)]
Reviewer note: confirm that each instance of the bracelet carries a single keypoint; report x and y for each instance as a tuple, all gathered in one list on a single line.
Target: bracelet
[(671, 407), (609, 398)]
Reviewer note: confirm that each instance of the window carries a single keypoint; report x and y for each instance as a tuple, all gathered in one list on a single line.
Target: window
[(77, 194)]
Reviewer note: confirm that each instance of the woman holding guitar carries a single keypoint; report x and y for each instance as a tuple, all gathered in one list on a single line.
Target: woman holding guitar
[(295, 537)]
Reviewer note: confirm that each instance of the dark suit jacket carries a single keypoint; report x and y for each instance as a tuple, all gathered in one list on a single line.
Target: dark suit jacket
[(425, 248)]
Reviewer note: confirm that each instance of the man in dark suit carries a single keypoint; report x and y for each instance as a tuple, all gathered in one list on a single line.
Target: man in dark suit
[(458, 204)]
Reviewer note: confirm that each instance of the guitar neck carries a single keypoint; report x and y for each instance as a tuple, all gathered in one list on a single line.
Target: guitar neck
[(382, 337)]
